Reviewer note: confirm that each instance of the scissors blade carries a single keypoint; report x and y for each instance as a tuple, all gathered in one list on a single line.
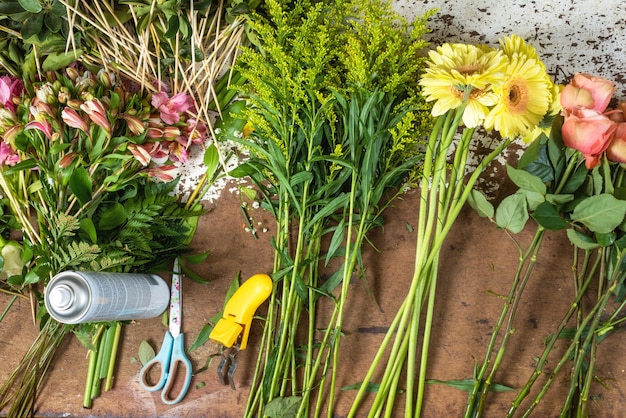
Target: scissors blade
[(175, 296)]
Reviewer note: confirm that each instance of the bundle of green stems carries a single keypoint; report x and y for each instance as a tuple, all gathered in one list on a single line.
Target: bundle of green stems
[(443, 192), (597, 263)]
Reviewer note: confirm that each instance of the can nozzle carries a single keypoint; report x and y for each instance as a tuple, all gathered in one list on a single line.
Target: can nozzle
[(61, 297)]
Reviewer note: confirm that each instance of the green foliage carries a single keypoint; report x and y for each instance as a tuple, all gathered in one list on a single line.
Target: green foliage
[(334, 124)]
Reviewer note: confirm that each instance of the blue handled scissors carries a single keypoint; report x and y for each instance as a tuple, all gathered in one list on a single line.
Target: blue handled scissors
[(172, 353)]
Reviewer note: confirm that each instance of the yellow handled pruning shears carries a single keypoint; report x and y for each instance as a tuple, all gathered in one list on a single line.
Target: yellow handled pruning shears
[(233, 329)]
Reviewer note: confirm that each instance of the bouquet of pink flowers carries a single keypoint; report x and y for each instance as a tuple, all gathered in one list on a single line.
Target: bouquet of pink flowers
[(87, 169)]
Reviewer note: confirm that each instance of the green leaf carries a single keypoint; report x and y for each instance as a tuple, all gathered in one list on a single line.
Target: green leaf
[(32, 26), (146, 352), (80, 184), (202, 337), (21, 166), (211, 161), (370, 388), (192, 275), (33, 6), (524, 180), (512, 213), (606, 240), (547, 216), (536, 161), (53, 22), (31, 277), (468, 385), (172, 27), (581, 240), (602, 213), (559, 199), (479, 202), (336, 241), (533, 199), (234, 286), (113, 216), (88, 228), (11, 8), (197, 258), (283, 407)]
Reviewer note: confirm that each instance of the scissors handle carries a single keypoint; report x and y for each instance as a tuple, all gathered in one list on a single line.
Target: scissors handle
[(163, 361), (178, 358)]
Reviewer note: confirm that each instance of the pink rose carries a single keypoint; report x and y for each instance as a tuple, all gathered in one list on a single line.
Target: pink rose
[(616, 151), (587, 92), (589, 132)]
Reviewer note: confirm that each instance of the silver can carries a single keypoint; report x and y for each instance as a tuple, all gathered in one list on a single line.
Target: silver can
[(73, 297)]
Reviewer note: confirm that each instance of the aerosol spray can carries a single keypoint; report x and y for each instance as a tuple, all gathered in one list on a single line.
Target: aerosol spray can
[(73, 297)]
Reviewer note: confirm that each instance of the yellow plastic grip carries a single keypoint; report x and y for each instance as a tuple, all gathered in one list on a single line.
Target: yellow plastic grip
[(239, 311)]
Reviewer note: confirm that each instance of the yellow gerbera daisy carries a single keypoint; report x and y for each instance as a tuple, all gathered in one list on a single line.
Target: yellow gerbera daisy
[(545, 126), (460, 72), (515, 44), (524, 98)]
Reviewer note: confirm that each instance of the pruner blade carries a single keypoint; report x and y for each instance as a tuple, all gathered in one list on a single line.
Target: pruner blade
[(233, 329), (228, 365)]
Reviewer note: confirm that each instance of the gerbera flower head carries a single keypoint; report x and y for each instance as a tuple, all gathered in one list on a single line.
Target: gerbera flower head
[(524, 98), (545, 126), (515, 45), (460, 74)]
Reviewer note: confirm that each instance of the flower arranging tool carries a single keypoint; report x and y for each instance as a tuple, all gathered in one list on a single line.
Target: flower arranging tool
[(233, 329), (172, 353)]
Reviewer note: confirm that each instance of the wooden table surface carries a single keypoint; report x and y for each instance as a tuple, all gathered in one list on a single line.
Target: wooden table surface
[(477, 258)]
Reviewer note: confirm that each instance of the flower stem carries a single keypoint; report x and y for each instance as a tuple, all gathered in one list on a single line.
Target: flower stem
[(548, 348)]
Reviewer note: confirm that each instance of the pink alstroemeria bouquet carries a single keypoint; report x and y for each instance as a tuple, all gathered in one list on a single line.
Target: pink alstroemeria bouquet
[(87, 169)]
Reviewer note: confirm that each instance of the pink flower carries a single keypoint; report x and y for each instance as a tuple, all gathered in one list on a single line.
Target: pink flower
[(171, 133), (73, 119), (96, 112), (7, 155), (588, 92), (196, 131), (163, 173), (589, 132), (67, 160), (10, 88), (170, 109), (141, 154), (10, 134), (135, 125), (7, 118), (178, 151), (147, 152), (616, 151), (154, 133), (43, 126)]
